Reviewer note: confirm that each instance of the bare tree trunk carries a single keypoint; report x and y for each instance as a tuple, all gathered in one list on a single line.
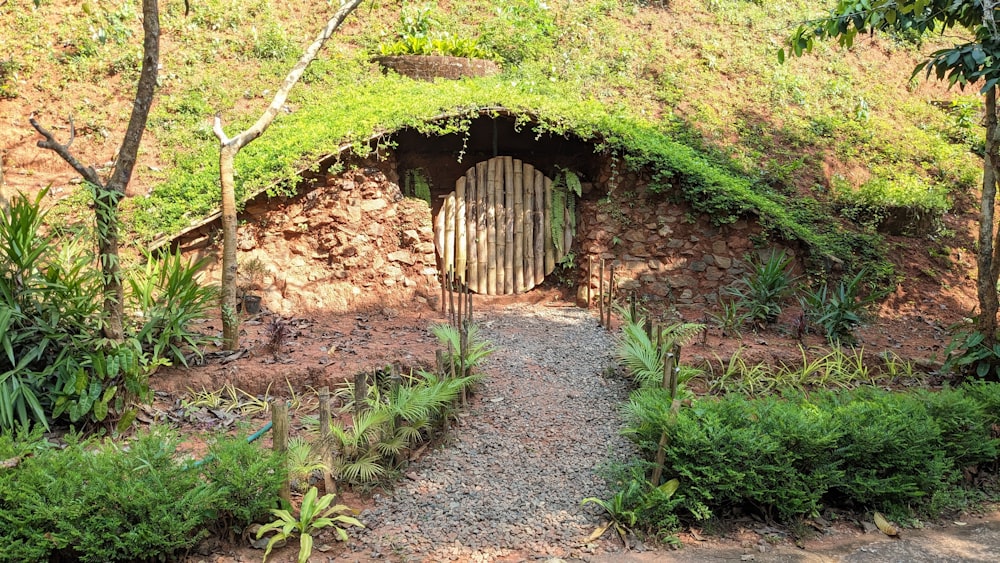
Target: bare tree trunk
[(989, 265), (108, 195), (230, 322), (229, 148)]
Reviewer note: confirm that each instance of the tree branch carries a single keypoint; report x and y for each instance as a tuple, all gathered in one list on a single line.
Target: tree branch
[(50, 142)]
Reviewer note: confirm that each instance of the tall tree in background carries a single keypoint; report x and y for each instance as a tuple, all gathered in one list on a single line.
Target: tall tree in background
[(107, 195), (230, 147), (976, 61)]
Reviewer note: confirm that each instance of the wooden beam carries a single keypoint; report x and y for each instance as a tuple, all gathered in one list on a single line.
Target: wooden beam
[(481, 231), (539, 227), (518, 226), (471, 209), (508, 197)]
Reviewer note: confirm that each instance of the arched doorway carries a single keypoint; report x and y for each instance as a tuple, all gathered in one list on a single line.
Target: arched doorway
[(504, 227)]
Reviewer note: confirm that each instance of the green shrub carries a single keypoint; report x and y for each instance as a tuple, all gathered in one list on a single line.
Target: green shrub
[(249, 477), (103, 501), (789, 456)]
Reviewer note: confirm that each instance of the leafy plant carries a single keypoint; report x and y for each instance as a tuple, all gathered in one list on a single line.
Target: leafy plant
[(314, 515), (636, 503), (838, 311), (249, 476), (167, 293), (475, 348), (762, 292), (730, 317), (302, 461), (970, 353), (643, 358)]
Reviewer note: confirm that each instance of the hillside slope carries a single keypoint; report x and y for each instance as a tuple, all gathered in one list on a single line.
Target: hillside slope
[(841, 136)]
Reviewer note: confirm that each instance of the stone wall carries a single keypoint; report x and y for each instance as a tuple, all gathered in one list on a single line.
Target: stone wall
[(429, 67), (662, 250)]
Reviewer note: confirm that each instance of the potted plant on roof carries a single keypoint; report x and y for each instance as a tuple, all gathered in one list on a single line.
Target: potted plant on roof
[(417, 52)]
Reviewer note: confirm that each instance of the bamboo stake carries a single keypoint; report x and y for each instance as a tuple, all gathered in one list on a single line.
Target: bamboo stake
[(518, 261), (324, 437), (508, 198), (491, 228), (472, 235), (611, 296), (539, 220), (529, 227), (444, 296), (482, 232), (279, 421), (590, 276), (460, 230), (600, 294), (669, 382), (550, 248)]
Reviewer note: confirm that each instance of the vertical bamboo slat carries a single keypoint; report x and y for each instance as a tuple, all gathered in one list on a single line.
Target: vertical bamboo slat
[(529, 227), (449, 233), (508, 198), (481, 234), (491, 228), (501, 227), (472, 250), (539, 227), (518, 261), (550, 249), (439, 237), (461, 252)]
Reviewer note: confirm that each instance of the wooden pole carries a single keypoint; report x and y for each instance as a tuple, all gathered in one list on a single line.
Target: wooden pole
[(461, 228), (279, 422), (508, 198), (491, 228), (324, 436), (590, 276), (669, 382), (360, 392), (529, 227), (550, 248), (519, 169), (452, 318), (611, 297), (600, 293), (539, 225), (482, 233)]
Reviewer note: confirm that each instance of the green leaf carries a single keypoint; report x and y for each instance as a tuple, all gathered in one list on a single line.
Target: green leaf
[(305, 547)]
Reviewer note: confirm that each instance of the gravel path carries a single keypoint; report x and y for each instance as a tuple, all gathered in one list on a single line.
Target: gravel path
[(509, 482)]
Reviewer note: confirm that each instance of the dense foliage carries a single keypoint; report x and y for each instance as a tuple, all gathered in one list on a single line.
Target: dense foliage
[(790, 456), (102, 501), (55, 363)]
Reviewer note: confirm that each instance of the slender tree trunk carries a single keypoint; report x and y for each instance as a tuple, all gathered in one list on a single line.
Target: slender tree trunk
[(988, 262), (108, 195), (230, 147), (230, 322)]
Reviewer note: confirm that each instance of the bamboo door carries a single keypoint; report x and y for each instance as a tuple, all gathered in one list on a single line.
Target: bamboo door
[(495, 230)]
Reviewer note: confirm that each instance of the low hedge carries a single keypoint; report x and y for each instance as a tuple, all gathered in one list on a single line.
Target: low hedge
[(103, 501), (789, 456)]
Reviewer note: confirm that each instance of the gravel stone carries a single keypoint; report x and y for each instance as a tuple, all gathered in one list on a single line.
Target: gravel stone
[(511, 475)]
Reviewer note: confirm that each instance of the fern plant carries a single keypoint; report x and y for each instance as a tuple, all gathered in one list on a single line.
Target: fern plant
[(643, 358), (476, 348)]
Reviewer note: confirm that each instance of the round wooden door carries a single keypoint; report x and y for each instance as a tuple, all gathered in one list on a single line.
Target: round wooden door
[(495, 231)]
